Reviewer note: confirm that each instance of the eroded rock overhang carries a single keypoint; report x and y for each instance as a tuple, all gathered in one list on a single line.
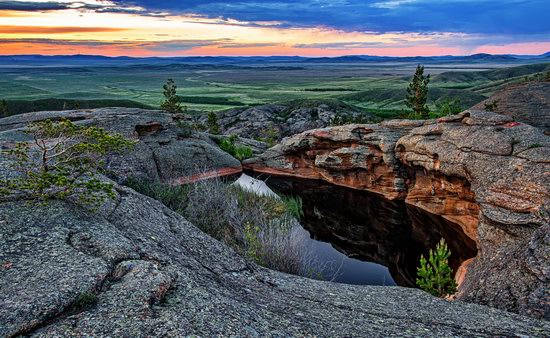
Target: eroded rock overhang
[(479, 170)]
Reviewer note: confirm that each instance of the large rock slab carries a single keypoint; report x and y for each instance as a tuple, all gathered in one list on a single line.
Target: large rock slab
[(160, 154), (153, 274), (527, 102), (481, 171)]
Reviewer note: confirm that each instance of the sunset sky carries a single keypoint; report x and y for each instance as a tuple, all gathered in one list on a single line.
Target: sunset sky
[(287, 27)]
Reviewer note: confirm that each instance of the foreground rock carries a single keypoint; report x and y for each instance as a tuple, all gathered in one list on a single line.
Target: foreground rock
[(137, 269), (526, 102), (482, 172), (272, 122), (164, 152)]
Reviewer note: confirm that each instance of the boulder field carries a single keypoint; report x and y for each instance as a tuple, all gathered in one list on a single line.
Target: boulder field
[(276, 121), (134, 268), (486, 174)]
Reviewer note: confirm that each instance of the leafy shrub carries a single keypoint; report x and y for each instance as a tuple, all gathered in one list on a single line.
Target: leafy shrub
[(270, 136), (434, 274), (491, 106), (239, 152), (447, 107), (84, 301), (185, 129), (293, 206), (62, 162)]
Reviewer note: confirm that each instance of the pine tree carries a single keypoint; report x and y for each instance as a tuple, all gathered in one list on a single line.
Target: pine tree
[(171, 102), (213, 126), (4, 109), (417, 94), (435, 274)]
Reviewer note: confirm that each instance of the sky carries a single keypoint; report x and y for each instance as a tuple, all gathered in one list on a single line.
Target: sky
[(269, 27)]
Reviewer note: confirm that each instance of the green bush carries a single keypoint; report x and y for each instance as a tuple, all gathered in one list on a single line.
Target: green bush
[(269, 135), (447, 107), (62, 162), (84, 301), (293, 206), (185, 129), (491, 106), (435, 275), (239, 152)]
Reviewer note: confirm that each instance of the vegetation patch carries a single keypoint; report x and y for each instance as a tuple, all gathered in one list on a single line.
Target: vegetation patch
[(434, 274), (62, 162), (84, 300), (335, 89), (238, 151), (262, 228), (14, 107), (223, 101)]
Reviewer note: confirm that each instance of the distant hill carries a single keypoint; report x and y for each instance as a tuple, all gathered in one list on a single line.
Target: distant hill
[(95, 60), (492, 75), (482, 57), (25, 106)]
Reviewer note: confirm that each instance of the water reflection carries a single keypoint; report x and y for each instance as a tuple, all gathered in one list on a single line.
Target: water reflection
[(376, 241)]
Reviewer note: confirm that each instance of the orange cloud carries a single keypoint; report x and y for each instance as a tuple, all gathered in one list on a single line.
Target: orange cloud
[(54, 30)]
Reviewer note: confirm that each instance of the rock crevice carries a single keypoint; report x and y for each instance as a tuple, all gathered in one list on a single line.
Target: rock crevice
[(464, 168), (169, 279)]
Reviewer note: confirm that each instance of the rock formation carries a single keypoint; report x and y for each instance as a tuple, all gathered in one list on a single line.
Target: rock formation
[(161, 153), (279, 120), (134, 268), (527, 102), (481, 171)]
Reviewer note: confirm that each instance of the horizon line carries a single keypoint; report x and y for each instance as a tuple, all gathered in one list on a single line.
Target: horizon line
[(274, 55)]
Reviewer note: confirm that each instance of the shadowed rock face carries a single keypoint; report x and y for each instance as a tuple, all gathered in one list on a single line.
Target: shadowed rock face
[(481, 171), (362, 225)]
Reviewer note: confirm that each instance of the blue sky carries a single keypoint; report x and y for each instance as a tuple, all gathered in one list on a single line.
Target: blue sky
[(514, 17), (308, 27)]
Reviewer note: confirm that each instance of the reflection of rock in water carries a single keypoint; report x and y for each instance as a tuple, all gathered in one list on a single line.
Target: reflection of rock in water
[(367, 227)]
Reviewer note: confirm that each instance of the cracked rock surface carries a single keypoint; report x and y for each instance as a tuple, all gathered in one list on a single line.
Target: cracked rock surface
[(136, 269), (153, 274)]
